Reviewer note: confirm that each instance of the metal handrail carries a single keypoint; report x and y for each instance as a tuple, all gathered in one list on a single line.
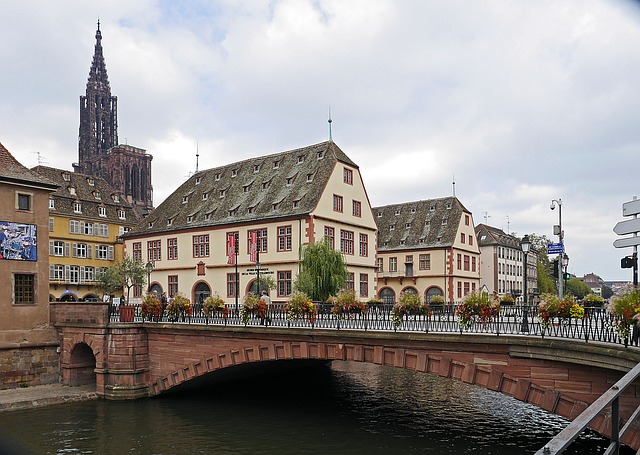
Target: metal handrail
[(611, 397)]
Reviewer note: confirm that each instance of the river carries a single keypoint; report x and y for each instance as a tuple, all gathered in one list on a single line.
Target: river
[(338, 408)]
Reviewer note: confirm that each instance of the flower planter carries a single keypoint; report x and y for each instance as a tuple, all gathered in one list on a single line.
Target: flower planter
[(127, 312)]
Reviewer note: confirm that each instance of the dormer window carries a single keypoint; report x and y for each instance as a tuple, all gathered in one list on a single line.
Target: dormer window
[(205, 196), (102, 211), (185, 199), (265, 185), (189, 218), (321, 154), (274, 206), (290, 181), (217, 177), (296, 204), (96, 194), (207, 216), (448, 205), (233, 212), (432, 208), (246, 188), (256, 168), (150, 224), (250, 210), (198, 180), (300, 159), (444, 222), (276, 164), (392, 227), (72, 191), (52, 204), (66, 176), (407, 225), (234, 172), (77, 207), (397, 212), (116, 198), (169, 221), (401, 242), (379, 214), (90, 181), (222, 193), (309, 178), (413, 210), (427, 223), (122, 214)]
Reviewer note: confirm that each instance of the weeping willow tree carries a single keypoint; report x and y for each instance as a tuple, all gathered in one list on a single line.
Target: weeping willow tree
[(323, 271)]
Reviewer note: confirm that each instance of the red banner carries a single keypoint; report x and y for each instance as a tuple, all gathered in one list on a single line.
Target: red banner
[(253, 247), (231, 249)]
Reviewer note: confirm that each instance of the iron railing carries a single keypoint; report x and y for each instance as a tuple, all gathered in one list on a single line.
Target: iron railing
[(597, 325)]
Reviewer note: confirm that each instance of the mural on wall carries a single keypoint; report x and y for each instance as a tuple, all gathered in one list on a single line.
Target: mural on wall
[(18, 241)]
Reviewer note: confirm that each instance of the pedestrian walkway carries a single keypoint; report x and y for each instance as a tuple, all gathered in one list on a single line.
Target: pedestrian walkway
[(43, 395)]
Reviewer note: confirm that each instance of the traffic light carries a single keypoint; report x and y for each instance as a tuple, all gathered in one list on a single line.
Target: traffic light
[(566, 276), (628, 262), (556, 272)]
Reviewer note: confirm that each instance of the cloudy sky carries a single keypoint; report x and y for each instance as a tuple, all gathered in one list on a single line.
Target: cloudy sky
[(520, 102)]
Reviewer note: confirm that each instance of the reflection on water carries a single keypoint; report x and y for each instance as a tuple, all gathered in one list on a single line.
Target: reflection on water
[(346, 408)]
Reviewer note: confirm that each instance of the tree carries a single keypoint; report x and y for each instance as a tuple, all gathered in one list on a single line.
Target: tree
[(578, 288), (123, 274), (546, 281), (323, 271), (607, 292)]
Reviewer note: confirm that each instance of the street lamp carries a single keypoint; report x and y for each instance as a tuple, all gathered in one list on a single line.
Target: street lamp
[(557, 230), (525, 244), (149, 269)]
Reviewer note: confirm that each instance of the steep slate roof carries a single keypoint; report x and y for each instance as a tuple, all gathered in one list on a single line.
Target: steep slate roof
[(11, 171), (85, 193), (488, 235), (260, 188), (419, 224)]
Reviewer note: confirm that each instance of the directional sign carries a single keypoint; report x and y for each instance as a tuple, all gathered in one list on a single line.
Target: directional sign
[(630, 241), (631, 208), (555, 248), (627, 227)]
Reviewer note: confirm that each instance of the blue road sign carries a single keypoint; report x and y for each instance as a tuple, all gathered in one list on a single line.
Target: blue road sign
[(555, 248)]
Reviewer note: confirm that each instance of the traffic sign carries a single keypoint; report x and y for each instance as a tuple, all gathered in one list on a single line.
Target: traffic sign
[(555, 248), (631, 208), (627, 226), (630, 241)]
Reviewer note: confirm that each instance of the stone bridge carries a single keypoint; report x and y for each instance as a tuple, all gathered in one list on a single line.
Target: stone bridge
[(136, 360)]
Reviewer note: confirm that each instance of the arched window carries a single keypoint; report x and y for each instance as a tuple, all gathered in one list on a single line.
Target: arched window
[(387, 295), (432, 292), (410, 289), (201, 293)]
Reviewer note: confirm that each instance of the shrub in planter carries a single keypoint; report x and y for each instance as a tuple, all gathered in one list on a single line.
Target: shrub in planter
[(477, 307), (408, 304)]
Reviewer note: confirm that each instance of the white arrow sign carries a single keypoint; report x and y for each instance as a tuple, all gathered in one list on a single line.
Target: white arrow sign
[(623, 243), (627, 227), (631, 208)]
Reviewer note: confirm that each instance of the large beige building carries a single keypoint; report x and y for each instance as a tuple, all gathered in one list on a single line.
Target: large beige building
[(27, 342), (279, 202), (427, 247), (87, 216)]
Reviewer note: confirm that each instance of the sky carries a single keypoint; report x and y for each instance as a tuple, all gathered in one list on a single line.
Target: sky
[(518, 102)]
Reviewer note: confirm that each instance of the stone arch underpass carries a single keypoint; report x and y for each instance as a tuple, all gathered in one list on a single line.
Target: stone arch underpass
[(562, 377)]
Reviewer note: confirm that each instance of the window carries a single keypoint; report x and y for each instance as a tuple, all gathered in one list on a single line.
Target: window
[(330, 236), (77, 207), (81, 250), (56, 272), (459, 289), (121, 214), (471, 240), (425, 262), (348, 176), (466, 287), (173, 285), (154, 250), (96, 194), (24, 288), (466, 220), (364, 285), (466, 262), (473, 263), (66, 176), (284, 238), (222, 193), (102, 211), (284, 283), (337, 203), (380, 265), (231, 284), (172, 248), (261, 239), (462, 237), (217, 177), (300, 159), (276, 164), (320, 154), (459, 262), (104, 252), (72, 191), (90, 181), (201, 246), (346, 241), (393, 264), (349, 282), (89, 273), (51, 224), (52, 204), (24, 201), (357, 209), (364, 245), (205, 196), (198, 180), (234, 172), (137, 251), (290, 181), (56, 248)]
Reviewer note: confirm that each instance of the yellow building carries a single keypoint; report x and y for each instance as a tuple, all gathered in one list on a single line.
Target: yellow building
[(86, 219), (427, 247), (281, 202)]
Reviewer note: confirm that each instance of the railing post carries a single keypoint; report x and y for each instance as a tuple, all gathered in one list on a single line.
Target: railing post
[(615, 424)]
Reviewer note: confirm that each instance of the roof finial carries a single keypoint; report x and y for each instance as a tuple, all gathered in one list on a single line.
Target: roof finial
[(330, 133), (454, 185), (98, 34), (197, 156)]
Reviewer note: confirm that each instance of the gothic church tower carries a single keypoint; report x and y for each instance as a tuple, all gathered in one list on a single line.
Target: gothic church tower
[(126, 168)]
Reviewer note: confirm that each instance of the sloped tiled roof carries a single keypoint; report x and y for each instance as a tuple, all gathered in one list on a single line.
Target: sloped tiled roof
[(92, 192), (12, 171), (265, 187), (488, 235), (431, 223)]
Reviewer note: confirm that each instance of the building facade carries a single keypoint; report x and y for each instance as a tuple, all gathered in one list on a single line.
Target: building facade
[(265, 209), (502, 263), (427, 247), (86, 219), (126, 168), (27, 342)]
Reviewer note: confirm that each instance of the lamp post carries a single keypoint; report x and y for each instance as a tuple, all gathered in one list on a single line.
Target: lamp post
[(525, 244), (149, 269), (557, 230), (565, 271)]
